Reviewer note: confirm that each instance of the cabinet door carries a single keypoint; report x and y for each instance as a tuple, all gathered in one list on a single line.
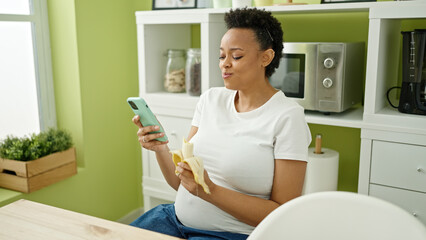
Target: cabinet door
[(413, 202), (176, 129), (399, 165)]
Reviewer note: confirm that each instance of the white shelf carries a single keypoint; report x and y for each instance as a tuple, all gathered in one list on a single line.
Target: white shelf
[(182, 104), (384, 54), (321, 8), (388, 9), (401, 12), (351, 118), (172, 16), (190, 16), (158, 26), (391, 119), (172, 104)]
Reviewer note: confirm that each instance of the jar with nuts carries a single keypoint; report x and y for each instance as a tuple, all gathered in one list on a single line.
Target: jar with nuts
[(193, 71), (175, 71)]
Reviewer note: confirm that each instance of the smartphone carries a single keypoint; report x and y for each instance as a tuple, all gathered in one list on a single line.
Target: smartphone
[(147, 118)]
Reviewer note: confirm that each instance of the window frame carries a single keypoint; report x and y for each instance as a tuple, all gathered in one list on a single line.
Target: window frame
[(38, 18)]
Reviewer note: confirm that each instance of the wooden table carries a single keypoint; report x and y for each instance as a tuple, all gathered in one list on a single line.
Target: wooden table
[(25, 220)]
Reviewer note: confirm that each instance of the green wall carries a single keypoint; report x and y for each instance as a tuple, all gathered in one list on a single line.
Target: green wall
[(94, 66), (94, 58), (347, 142)]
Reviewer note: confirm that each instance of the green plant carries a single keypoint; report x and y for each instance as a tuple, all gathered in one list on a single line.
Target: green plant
[(35, 146)]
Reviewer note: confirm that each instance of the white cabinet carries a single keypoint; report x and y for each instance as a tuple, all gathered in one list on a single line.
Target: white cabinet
[(393, 167), (154, 185), (399, 165), (398, 174), (393, 144), (412, 201), (381, 127)]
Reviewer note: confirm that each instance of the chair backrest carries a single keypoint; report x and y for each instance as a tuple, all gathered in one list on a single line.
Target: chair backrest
[(338, 216)]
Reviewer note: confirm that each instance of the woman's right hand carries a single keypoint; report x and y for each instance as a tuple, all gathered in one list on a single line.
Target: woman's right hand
[(147, 139)]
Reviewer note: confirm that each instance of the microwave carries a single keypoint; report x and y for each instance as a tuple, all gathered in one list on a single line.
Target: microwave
[(324, 76)]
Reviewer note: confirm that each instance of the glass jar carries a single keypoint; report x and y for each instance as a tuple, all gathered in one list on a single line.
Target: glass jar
[(174, 80), (193, 71)]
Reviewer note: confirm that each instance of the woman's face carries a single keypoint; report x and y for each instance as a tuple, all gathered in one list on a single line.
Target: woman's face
[(240, 59)]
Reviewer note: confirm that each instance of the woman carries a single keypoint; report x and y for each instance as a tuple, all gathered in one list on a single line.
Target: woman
[(252, 139)]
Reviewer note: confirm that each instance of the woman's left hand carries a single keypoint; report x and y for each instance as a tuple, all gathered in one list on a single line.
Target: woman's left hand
[(187, 180)]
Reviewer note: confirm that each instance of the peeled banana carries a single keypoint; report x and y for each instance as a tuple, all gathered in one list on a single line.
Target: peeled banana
[(195, 163)]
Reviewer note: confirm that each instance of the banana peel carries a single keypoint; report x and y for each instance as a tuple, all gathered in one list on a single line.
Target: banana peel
[(195, 163)]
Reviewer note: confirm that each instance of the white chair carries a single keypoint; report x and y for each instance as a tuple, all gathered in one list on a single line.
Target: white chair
[(339, 216)]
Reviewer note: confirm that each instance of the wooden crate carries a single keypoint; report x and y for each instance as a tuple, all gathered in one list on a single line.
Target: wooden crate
[(32, 175)]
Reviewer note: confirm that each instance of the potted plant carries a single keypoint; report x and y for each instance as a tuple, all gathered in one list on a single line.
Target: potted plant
[(30, 163)]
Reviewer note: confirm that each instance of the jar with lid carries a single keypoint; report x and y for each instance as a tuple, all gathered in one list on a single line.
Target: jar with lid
[(193, 71), (174, 80)]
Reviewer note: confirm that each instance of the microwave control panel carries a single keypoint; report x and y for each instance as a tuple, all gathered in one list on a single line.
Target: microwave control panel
[(330, 58), (339, 76)]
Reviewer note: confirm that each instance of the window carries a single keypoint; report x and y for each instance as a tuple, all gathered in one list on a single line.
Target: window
[(26, 85)]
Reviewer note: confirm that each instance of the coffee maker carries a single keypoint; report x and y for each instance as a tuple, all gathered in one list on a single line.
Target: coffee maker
[(413, 90)]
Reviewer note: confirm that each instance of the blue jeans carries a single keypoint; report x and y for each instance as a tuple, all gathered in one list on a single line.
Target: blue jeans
[(163, 219)]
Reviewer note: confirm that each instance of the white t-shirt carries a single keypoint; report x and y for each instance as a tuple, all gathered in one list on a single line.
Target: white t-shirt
[(238, 150)]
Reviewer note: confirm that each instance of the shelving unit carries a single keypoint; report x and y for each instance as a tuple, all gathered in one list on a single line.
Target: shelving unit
[(161, 30), (382, 69), (393, 144)]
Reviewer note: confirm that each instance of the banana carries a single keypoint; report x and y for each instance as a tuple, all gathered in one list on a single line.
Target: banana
[(195, 163)]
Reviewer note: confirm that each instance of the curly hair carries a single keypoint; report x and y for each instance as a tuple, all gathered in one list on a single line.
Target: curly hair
[(266, 28)]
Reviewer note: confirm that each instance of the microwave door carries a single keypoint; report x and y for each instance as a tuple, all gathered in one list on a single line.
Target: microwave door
[(294, 76), (293, 72)]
